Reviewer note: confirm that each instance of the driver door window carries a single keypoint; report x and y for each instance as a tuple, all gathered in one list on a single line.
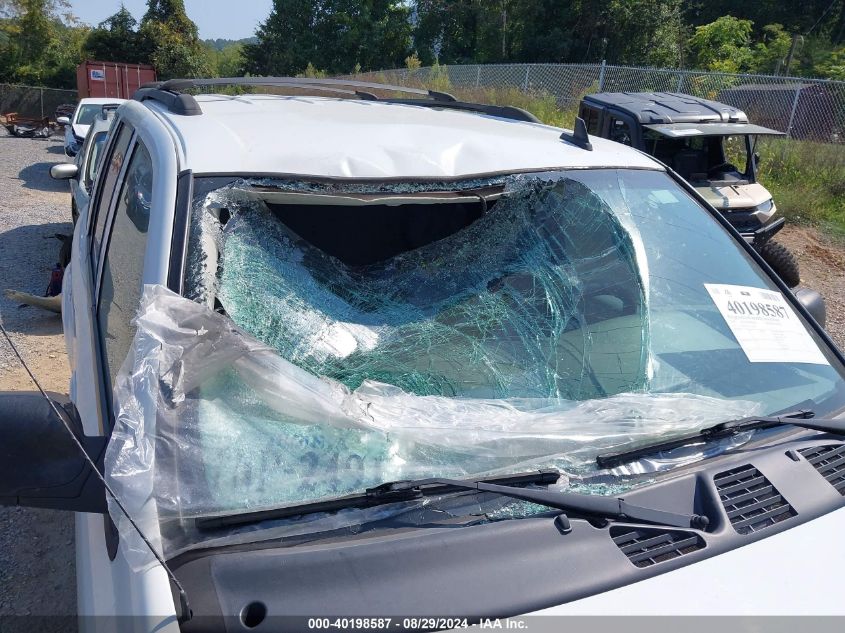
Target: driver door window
[(112, 166), (123, 264)]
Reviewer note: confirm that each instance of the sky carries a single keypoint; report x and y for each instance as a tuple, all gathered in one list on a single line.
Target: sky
[(229, 19)]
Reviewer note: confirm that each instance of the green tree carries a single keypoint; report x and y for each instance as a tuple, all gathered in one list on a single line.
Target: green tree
[(229, 60), (645, 32), (333, 35), (622, 31), (116, 39), (723, 45), (460, 31), (172, 39), (833, 67), (40, 42), (771, 51)]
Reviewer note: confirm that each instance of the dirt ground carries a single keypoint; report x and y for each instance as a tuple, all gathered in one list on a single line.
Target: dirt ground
[(36, 547), (821, 260)]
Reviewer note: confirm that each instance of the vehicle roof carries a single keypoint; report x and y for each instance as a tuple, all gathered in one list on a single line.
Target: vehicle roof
[(346, 138), (668, 107)]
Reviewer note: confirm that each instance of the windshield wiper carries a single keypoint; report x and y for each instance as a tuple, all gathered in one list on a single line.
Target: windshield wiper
[(803, 418), (392, 492)]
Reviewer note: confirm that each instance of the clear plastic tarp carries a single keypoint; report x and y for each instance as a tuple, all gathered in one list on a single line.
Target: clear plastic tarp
[(518, 342)]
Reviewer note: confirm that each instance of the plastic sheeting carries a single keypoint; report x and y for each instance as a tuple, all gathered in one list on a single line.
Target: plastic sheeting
[(211, 420), (519, 342)]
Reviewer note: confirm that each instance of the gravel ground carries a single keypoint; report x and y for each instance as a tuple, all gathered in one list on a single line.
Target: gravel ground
[(821, 260), (37, 573)]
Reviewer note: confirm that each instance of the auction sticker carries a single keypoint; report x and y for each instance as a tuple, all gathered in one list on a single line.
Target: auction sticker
[(764, 325)]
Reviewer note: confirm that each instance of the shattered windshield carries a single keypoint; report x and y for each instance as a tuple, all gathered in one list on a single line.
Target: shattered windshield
[(334, 337)]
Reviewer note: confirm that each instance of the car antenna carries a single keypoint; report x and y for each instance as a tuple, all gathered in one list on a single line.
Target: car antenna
[(185, 607), (578, 136)]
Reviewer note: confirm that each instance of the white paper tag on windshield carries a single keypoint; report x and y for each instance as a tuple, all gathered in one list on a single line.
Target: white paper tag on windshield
[(765, 325)]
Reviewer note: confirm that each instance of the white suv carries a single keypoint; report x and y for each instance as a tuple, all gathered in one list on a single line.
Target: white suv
[(77, 125), (419, 362)]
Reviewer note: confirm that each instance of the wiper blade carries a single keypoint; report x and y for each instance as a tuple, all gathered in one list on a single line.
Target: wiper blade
[(370, 498), (392, 492), (802, 418)]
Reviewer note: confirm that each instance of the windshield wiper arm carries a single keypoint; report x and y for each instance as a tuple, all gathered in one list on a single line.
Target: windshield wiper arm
[(581, 504), (392, 492), (372, 497), (803, 418)]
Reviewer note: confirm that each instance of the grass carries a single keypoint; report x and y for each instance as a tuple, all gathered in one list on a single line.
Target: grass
[(806, 180)]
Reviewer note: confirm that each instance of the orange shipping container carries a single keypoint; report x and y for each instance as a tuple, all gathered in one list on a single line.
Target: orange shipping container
[(111, 79)]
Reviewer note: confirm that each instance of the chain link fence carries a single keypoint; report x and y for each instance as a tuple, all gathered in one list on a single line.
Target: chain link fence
[(809, 109), (33, 102)]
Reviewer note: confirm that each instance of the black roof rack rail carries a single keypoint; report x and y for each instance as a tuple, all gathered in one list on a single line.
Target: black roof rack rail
[(186, 104), (578, 136), (176, 85), (169, 93), (503, 112), (177, 103)]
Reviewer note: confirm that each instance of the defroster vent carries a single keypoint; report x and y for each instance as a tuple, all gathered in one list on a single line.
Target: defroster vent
[(751, 501), (829, 460), (646, 547)]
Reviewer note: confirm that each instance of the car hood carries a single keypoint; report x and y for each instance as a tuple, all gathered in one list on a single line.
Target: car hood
[(734, 196)]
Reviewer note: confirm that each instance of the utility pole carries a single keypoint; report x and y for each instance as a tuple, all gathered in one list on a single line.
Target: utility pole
[(504, 29), (795, 39)]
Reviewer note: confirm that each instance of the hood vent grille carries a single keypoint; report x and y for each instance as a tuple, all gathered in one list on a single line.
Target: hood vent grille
[(647, 547), (830, 462), (751, 501)]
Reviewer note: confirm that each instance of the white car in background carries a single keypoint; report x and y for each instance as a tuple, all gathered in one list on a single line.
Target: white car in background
[(324, 350), (83, 170), (77, 125)]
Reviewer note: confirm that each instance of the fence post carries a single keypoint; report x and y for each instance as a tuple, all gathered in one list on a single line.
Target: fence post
[(477, 76), (680, 82), (601, 75), (794, 108), (525, 87), (41, 100)]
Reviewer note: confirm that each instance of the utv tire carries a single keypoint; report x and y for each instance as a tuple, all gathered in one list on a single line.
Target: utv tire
[(782, 262)]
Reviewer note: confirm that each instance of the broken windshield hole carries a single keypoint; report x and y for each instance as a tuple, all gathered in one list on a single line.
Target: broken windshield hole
[(440, 299)]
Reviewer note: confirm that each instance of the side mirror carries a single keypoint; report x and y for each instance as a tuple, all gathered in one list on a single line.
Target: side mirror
[(64, 171), (813, 302), (63, 120), (40, 464), (756, 158)]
